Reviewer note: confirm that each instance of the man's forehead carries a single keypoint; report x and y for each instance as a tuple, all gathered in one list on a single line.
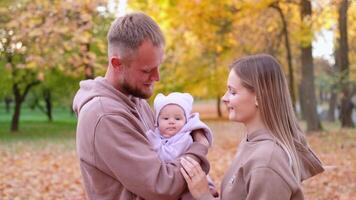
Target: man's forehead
[(150, 58)]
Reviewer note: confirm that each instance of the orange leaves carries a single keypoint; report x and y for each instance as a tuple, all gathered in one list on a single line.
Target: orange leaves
[(29, 172), (50, 170), (337, 150)]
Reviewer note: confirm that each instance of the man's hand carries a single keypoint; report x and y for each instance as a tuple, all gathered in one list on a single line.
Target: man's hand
[(198, 136)]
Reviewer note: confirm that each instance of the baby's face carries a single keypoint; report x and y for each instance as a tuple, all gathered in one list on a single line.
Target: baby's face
[(170, 120)]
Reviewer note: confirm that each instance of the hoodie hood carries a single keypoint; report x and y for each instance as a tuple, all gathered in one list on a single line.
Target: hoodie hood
[(311, 164), (100, 87)]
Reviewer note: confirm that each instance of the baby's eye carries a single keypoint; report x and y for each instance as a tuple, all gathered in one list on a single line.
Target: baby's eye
[(177, 118), (165, 118)]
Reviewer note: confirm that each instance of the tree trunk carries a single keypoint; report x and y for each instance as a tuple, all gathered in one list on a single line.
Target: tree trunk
[(289, 52), (218, 106), (88, 68), (346, 111), (301, 103), (19, 98), (346, 104), (321, 99), (48, 100), (332, 106), (16, 114), (307, 83)]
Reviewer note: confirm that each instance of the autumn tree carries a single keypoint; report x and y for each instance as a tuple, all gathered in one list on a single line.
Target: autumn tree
[(17, 32), (38, 36), (83, 26)]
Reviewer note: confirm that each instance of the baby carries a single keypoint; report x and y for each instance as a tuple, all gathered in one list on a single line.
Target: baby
[(174, 123)]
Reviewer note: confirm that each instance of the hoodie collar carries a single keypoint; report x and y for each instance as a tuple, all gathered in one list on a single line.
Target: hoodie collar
[(259, 135)]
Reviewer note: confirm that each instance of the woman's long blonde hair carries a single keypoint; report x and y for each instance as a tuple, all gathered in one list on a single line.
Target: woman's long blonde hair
[(262, 74)]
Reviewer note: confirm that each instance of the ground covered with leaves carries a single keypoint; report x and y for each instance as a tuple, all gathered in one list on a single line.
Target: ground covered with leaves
[(48, 168)]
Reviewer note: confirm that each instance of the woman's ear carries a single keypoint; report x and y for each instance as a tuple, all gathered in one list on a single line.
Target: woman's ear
[(256, 103)]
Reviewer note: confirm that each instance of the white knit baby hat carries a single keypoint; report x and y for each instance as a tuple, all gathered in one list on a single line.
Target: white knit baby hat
[(184, 100)]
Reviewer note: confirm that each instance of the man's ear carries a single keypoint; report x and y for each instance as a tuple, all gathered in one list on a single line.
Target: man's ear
[(115, 62)]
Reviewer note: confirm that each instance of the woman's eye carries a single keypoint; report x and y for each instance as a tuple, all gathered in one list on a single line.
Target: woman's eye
[(232, 92)]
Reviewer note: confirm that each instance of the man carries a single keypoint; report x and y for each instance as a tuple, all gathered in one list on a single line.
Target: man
[(116, 158)]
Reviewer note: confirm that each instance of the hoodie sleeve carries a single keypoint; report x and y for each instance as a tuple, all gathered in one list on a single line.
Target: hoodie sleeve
[(127, 154), (194, 123)]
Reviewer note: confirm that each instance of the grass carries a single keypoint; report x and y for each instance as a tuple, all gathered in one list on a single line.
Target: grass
[(36, 131)]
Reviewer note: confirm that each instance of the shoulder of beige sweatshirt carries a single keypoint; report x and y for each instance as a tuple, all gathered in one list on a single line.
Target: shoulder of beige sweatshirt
[(117, 160), (261, 170)]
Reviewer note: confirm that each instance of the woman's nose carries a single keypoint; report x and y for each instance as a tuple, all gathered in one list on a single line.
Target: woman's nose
[(224, 98)]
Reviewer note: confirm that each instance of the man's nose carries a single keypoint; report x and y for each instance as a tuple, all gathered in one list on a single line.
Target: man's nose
[(155, 75)]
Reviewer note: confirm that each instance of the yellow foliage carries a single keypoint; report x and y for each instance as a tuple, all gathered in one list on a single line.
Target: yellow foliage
[(31, 65)]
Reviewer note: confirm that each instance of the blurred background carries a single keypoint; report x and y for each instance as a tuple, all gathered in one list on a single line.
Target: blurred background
[(48, 46)]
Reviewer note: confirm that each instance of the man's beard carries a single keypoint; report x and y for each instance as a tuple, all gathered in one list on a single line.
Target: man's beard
[(134, 91)]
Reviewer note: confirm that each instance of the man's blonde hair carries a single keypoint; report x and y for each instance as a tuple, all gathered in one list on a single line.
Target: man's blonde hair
[(128, 32)]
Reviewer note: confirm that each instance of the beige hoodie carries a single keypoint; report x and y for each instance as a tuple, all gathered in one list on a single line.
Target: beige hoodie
[(116, 158), (261, 171)]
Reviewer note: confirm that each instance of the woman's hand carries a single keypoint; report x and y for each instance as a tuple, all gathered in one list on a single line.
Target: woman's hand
[(194, 176)]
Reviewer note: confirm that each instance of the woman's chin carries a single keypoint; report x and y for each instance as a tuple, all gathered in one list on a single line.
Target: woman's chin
[(232, 117)]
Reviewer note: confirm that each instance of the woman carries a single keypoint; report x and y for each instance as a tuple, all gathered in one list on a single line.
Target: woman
[(273, 158)]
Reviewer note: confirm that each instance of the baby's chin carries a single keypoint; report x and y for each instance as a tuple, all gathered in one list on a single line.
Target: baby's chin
[(169, 135)]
